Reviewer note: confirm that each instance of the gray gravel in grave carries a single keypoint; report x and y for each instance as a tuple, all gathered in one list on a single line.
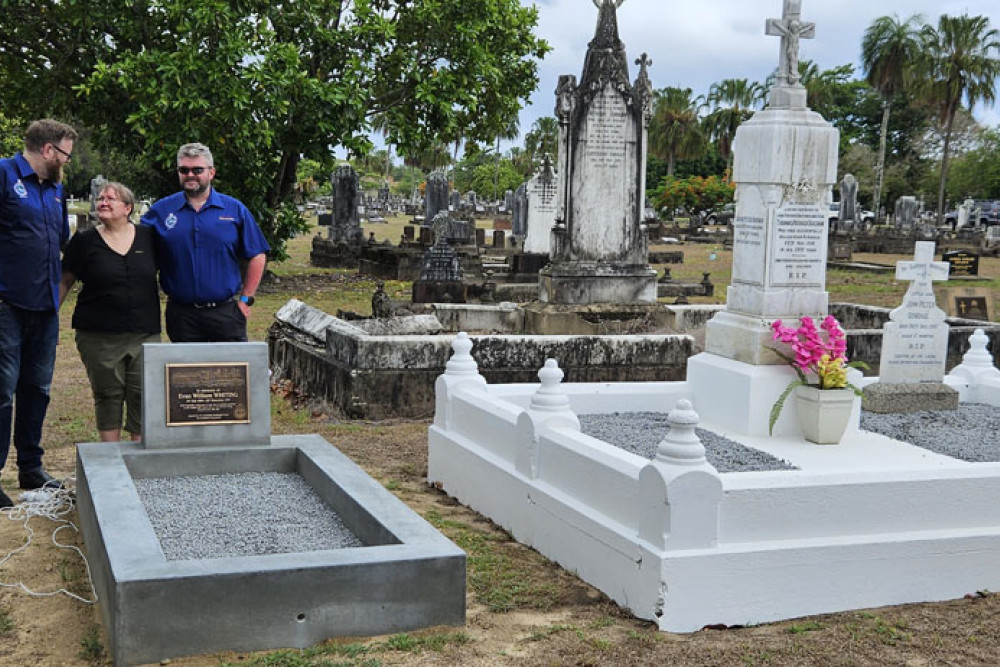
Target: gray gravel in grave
[(641, 432), (970, 433), (245, 514)]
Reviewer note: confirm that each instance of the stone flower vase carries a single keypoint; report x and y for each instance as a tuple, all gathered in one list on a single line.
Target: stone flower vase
[(823, 414)]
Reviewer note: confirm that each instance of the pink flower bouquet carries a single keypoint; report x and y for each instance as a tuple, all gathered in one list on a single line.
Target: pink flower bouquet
[(812, 354)]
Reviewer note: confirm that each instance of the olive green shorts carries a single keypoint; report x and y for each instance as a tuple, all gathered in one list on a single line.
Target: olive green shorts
[(114, 366)]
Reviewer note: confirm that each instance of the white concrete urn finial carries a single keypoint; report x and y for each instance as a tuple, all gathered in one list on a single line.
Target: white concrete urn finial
[(550, 396), (461, 362), (681, 445), (978, 356)]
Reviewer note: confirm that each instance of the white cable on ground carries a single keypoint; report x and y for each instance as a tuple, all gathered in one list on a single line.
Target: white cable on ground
[(54, 505)]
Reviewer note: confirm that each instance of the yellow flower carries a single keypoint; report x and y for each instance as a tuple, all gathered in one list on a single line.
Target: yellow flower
[(831, 372)]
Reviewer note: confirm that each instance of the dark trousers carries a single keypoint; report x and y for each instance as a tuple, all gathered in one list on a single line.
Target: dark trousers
[(221, 323), (27, 359)]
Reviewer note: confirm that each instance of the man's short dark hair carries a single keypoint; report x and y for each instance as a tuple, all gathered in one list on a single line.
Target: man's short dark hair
[(47, 131)]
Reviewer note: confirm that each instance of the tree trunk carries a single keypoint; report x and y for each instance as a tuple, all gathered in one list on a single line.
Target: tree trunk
[(670, 164), (880, 166), (944, 164)]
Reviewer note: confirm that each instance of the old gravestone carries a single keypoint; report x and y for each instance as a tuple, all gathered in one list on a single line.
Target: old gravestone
[(905, 217), (345, 222), (971, 303), (436, 196), (440, 276), (914, 344), (848, 213), (785, 165), (541, 214), (519, 211), (599, 252)]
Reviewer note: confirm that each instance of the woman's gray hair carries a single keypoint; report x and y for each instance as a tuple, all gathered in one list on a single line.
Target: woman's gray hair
[(122, 191), (196, 150)]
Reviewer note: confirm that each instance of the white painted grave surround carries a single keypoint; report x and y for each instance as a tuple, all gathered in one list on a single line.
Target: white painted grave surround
[(867, 523), (541, 196), (915, 340), (785, 163)]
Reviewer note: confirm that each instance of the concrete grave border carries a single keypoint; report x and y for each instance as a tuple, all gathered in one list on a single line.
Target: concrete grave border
[(152, 609)]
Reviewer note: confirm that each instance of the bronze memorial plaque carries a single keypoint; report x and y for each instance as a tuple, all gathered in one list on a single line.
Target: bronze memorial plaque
[(207, 394)]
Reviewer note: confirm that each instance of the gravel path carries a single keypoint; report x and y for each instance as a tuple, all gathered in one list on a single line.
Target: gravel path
[(641, 432), (247, 514)]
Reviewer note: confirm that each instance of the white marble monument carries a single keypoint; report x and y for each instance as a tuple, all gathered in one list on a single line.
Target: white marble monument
[(785, 164), (540, 193), (915, 340)]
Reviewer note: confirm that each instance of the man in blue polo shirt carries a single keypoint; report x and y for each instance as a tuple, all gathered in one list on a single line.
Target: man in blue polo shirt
[(203, 237), (34, 226)]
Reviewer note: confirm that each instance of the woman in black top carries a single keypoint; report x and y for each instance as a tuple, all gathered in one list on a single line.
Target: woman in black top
[(118, 308)]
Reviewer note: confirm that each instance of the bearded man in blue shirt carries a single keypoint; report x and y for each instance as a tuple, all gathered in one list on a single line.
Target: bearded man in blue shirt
[(203, 239), (34, 225)]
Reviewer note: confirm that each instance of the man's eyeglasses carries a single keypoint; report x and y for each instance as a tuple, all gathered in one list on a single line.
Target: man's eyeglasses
[(197, 171), (109, 200), (68, 156)]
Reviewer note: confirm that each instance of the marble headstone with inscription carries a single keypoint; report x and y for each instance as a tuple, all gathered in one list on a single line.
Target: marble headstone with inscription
[(599, 252), (541, 209), (905, 213), (785, 164), (915, 340)]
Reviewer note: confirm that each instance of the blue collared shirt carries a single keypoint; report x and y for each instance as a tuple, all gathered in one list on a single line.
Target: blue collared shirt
[(34, 227), (199, 252)]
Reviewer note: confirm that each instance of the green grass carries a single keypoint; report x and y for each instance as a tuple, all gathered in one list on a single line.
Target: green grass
[(6, 621), (91, 648), (354, 654), (500, 581)]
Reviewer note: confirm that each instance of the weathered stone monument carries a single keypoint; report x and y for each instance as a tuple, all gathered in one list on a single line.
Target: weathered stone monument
[(342, 244), (848, 214), (441, 276), (178, 561), (519, 212), (538, 210), (785, 163), (599, 252), (905, 216), (436, 196), (914, 344)]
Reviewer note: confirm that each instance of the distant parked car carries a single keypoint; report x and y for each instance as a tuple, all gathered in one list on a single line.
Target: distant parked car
[(989, 214), (723, 216), (833, 215)]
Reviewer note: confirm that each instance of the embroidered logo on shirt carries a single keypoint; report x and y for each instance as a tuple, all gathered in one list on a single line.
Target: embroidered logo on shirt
[(222, 217), (170, 221), (21, 191)]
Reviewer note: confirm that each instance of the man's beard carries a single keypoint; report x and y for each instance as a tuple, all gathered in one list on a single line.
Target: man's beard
[(198, 191)]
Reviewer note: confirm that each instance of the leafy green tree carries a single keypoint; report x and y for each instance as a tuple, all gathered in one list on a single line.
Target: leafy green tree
[(675, 130), (977, 173), (266, 84), (11, 136), (889, 48), (959, 60), (695, 195), (732, 101)]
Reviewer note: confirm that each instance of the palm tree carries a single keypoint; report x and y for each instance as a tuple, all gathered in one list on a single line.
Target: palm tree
[(542, 138), (958, 59), (733, 101), (675, 129), (509, 131), (889, 48)]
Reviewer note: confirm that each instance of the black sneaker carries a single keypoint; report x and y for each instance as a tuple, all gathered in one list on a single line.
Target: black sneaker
[(5, 500), (37, 479)]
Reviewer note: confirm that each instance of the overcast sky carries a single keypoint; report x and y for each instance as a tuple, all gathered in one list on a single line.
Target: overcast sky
[(694, 43)]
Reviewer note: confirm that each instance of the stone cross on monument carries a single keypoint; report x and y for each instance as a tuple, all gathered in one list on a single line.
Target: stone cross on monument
[(791, 29)]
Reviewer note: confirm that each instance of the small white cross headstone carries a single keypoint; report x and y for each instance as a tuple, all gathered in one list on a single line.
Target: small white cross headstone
[(791, 29), (915, 341)]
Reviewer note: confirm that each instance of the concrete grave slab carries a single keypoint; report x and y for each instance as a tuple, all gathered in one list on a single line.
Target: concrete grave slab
[(407, 576)]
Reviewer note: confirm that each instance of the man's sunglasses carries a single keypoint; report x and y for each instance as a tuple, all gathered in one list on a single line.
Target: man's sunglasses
[(197, 171)]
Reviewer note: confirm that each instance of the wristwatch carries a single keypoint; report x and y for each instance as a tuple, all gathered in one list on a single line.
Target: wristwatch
[(248, 300)]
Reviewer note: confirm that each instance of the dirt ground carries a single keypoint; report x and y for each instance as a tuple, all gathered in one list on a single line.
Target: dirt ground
[(522, 609)]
